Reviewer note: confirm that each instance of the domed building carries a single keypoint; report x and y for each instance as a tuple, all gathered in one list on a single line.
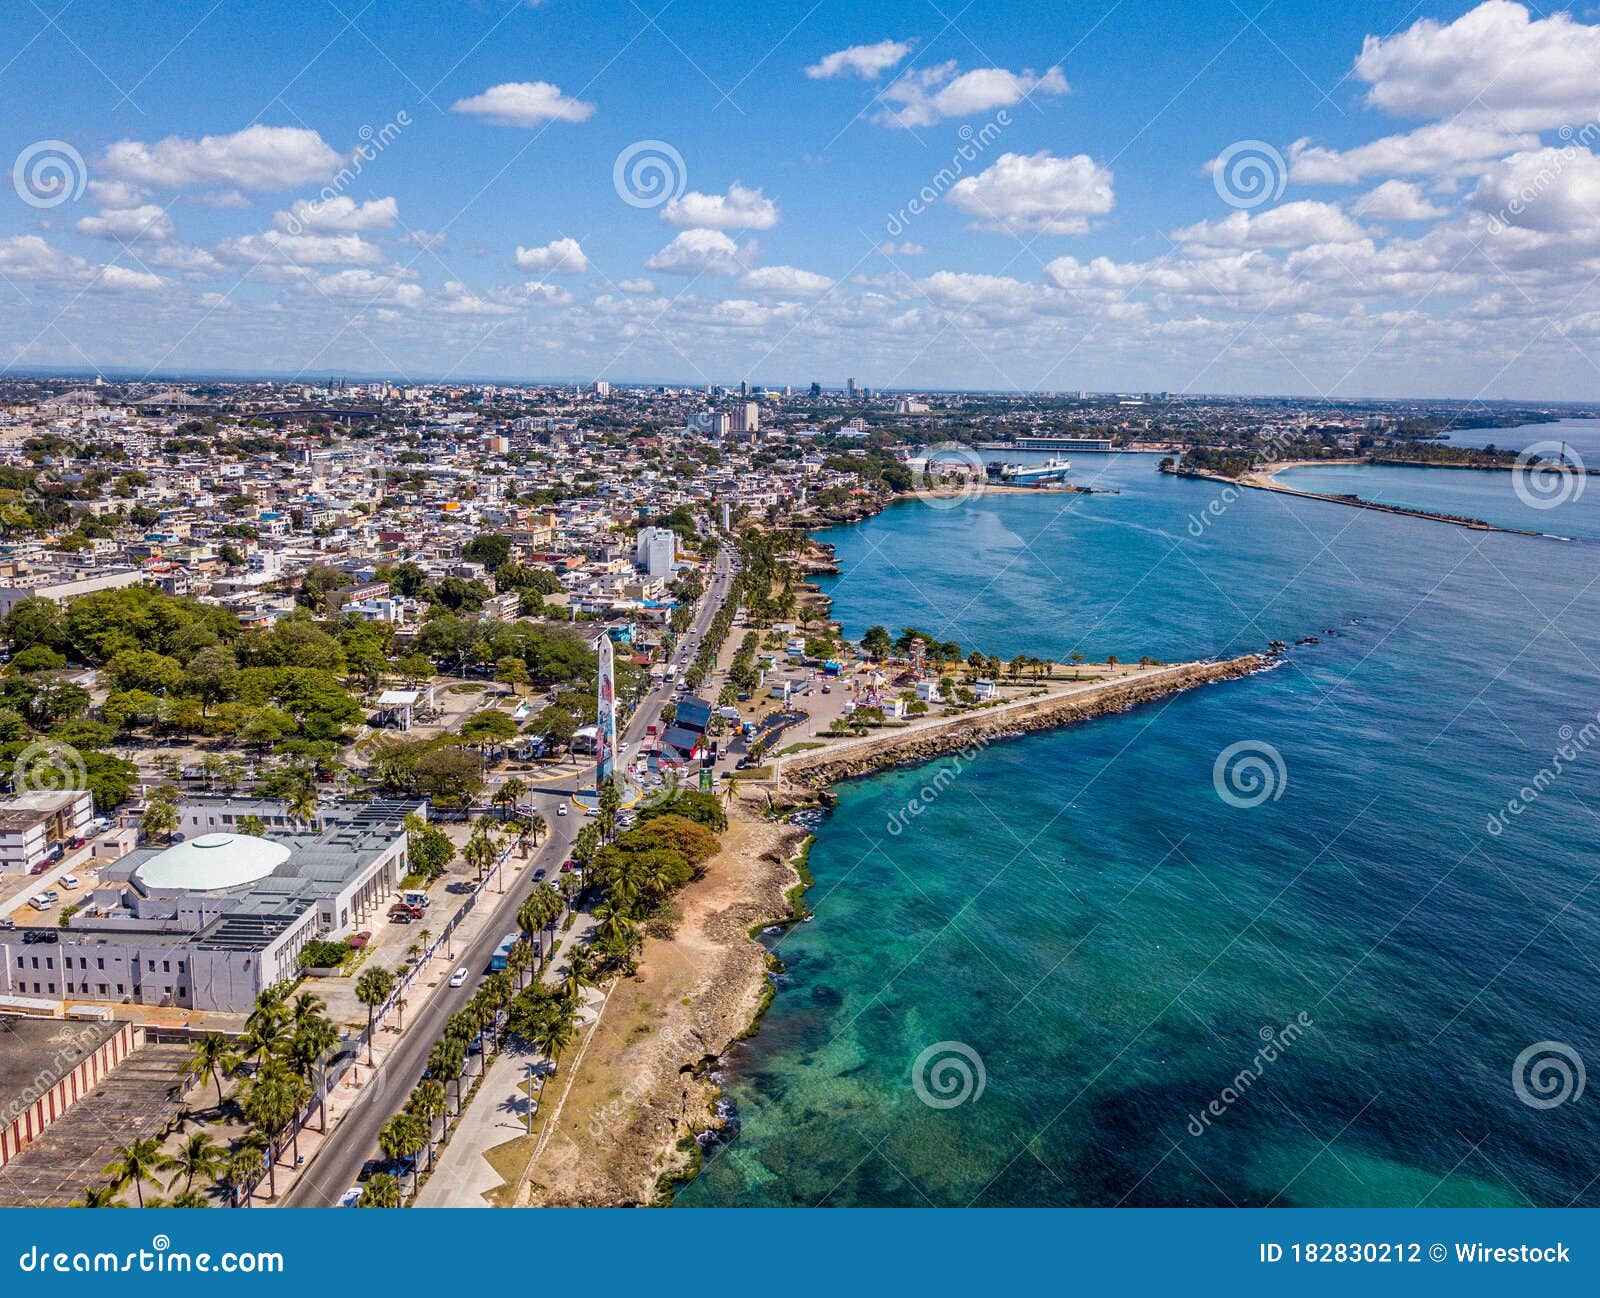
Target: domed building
[(210, 921)]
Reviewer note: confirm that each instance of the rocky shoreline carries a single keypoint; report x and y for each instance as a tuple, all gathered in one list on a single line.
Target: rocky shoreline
[(805, 774), (648, 1093)]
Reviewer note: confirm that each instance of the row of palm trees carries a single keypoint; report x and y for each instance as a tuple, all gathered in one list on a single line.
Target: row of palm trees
[(428, 1110), (284, 1050)]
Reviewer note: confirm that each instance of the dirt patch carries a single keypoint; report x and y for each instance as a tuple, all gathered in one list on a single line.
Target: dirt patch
[(639, 1090)]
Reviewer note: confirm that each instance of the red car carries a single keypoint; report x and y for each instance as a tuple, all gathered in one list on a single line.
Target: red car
[(40, 867), (566, 865)]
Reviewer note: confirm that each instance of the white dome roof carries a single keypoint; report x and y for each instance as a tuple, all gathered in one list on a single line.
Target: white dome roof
[(212, 862)]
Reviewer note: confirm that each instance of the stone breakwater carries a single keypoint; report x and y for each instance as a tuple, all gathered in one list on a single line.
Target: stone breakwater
[(980, 728)]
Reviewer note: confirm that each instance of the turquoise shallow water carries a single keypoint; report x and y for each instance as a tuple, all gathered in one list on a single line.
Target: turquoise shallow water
[(1081, 915)]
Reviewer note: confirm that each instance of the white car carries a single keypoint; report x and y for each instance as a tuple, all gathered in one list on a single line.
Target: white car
[(40, 903), (561, 809), (68, 881), (351, 1197), (459, 977)]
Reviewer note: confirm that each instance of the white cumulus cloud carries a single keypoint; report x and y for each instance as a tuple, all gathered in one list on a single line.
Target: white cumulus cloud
[(921, 98), (524, 103), (699, 252), (1396, 200), (260, 158), (741, 208), (1290, 225), (864, 61), (1036, 193), (1496, 63), (559, 257), (337, 215)]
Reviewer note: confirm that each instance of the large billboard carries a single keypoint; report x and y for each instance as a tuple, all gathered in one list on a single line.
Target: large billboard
[(605, 738)]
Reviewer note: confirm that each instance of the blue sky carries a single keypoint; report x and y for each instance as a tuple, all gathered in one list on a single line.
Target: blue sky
[(1421, 222)]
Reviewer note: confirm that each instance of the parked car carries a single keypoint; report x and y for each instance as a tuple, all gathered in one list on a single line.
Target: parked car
[(42, 902), (400, 916), (8, 923), (68, 881), (370, 1168), (73, 844), (351, 1197), (41, 935), (39, 867), (459, 977), (566, 866)]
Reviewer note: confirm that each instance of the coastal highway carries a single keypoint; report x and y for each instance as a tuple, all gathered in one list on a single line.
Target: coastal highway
[(355, 1138)]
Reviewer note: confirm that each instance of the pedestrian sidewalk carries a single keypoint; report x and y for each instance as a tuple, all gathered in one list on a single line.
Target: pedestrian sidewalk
[(499, 1111)]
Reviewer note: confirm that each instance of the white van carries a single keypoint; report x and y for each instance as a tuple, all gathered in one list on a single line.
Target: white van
[(41, 902)]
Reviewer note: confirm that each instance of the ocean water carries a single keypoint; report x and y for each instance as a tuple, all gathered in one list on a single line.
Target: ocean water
[(1582, 437), (1559, 504), (1314, 990)]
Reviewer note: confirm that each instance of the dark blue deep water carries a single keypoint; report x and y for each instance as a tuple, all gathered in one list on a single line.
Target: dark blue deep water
[(1081, 916)]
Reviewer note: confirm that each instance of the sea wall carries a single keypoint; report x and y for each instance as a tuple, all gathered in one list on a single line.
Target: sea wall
[(895, 748)]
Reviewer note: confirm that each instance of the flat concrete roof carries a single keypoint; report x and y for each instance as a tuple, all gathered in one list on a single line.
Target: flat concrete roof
[(37, 1053)]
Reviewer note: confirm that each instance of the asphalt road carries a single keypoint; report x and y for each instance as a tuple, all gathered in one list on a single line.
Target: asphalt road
[(355, 1139)]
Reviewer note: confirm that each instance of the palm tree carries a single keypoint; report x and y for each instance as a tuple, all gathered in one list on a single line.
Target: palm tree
[(372, 989), (96, 1196), (242, 1167), (430, 1103), (446, 1060), (610, 804), (136, 1162), (519, 962), (382, 1191), (301, 803), (189, 1199), (252, 825), (509, 794), (212, 1054), (199, 1155), (308, 1048), (551, 1036), (271, 1104), (538, 827), (403, 1136), (580, 973)]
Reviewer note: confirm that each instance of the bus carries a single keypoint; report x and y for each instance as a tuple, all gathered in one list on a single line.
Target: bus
[(502, 953)]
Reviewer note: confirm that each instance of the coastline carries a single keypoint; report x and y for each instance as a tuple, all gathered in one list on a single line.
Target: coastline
[(642, 1093)]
